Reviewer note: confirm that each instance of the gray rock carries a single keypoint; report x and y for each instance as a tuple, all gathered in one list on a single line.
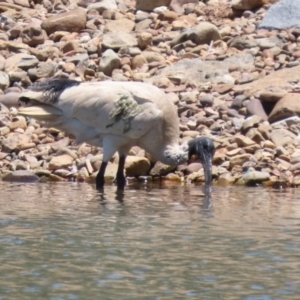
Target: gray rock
[(284, 14), (237, 102), (78, 58), (30, 61), (144, 24), (237, 123), (206, 100), (21, 176), (250, 122), (109, 61), (46, 69)]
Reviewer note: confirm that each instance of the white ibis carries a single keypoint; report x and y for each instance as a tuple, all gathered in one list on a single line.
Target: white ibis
[(115, 116)]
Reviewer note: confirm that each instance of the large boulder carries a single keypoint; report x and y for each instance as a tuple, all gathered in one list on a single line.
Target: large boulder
[(283, 15), (71, 21)]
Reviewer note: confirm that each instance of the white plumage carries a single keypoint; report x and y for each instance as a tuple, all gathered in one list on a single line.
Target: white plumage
[(112, 115)]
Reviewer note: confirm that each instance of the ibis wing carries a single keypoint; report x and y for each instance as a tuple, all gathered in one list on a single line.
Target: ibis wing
[(112, 108)]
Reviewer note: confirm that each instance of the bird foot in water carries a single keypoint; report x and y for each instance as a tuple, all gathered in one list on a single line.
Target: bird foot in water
[(121, 182)]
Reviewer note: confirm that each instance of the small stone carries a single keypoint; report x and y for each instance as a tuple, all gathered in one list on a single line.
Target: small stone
[(109, 61), (160, 169), (239, 160), (151, 5), (254, 107), (138, 61), (33, 35), (193, 167), (203, 33), (137, 166), (206, 100), (4, 81), (246, 4), (61, 161), (251, 122), (226, 179), (103, 5), (144, 39)]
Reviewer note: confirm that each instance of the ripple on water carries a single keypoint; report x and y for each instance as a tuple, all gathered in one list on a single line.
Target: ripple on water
[(67, 241)]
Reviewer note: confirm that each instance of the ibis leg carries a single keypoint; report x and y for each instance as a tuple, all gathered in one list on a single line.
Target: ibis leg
[(100, 176), (121, 180)]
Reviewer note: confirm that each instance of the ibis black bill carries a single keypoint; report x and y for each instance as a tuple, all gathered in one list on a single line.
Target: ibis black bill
[(204, 148)]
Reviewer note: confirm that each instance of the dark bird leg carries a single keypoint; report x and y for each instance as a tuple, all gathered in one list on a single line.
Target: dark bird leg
[(121, 180), (204, 148), (100, 176)]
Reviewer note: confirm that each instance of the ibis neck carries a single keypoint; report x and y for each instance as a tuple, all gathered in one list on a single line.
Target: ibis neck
[(173, 155)]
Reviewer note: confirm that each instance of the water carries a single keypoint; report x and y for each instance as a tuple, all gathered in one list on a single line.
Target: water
[(66, 241)]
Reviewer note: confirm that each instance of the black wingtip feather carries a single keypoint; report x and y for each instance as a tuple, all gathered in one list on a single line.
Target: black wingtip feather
[(53, 88)]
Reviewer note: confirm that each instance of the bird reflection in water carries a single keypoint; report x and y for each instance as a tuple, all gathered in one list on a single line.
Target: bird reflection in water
[(187, 196)]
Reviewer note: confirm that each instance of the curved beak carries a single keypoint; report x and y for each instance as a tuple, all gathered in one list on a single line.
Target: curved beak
[(204, 148)]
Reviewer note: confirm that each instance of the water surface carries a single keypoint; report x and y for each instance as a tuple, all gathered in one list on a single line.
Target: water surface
[(67, 241)]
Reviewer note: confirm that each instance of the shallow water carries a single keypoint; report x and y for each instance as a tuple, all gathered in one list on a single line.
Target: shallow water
[(67, 241)]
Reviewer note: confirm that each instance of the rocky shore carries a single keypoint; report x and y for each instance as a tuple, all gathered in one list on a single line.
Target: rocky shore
[(231, 75)]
